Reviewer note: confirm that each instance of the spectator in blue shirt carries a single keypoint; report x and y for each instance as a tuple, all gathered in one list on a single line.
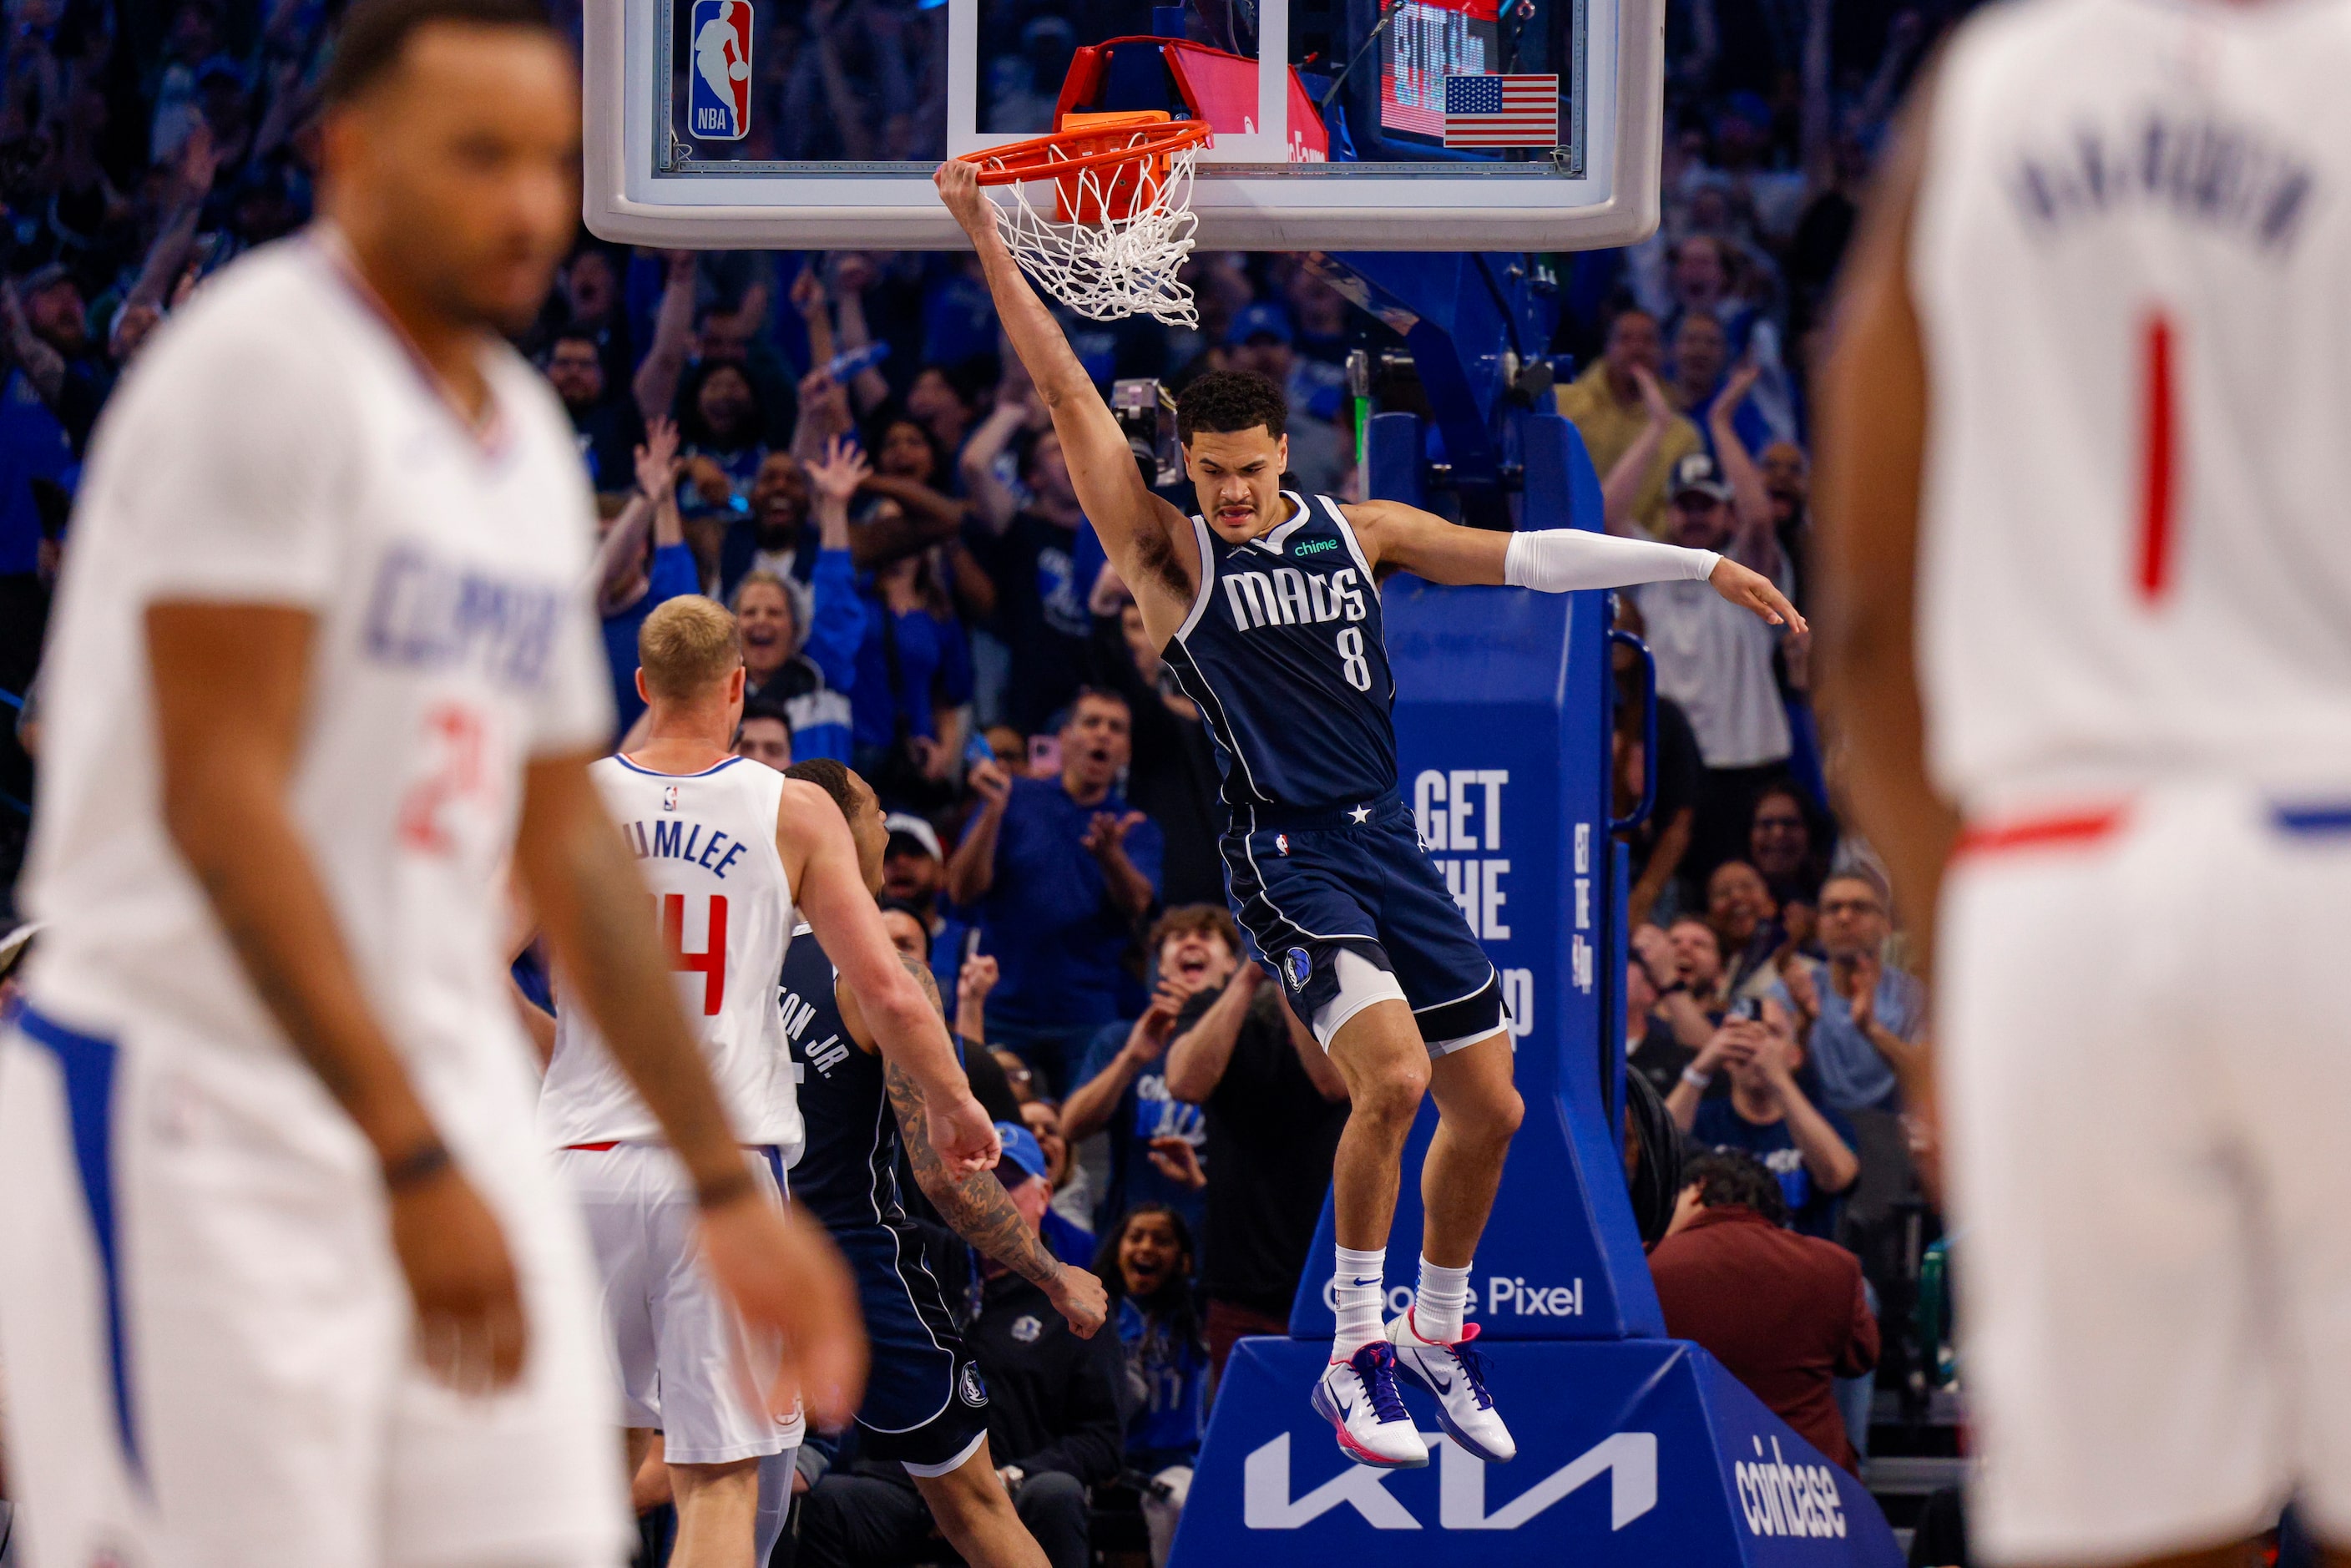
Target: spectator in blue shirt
[(914, 679), (811, 680), (1860, 1019), (1147, 1266), (1770, 1114), (1122, 1084), (1056, 872), (633, 580)]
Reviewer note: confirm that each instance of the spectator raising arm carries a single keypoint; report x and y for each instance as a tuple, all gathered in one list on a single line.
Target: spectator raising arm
[(664, 363), (1089, 1107), (1197, 1058), (1130, 889), (823, 414), (654, 504), (1832, 1165), (853, 274), (837, 613), (971, 870), (973, 982), (1653, 950), (1737, 1041), (1754, 542), (993, 500), (1620, 492), (812, 304)]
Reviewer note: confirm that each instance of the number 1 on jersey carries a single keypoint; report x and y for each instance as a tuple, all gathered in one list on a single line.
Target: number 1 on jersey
[(2159, 456), (711, 962)]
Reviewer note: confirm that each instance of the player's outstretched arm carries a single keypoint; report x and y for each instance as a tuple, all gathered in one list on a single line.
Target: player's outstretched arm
[(973, 1203), (821, 859), (1138, 529), (778, 1267), (1552, 560), (230, 683)]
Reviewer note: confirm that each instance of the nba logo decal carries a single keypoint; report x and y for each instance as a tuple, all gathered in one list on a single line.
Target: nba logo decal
[(719, 105), (1281, 842), (1298, 967), (669, 797)]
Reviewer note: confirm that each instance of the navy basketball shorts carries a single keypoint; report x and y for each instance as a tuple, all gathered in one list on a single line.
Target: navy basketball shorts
[(1347, 910), (925, 1404)]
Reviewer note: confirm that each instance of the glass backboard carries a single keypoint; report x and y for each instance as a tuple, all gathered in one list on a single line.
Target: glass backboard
[(1360, 124)]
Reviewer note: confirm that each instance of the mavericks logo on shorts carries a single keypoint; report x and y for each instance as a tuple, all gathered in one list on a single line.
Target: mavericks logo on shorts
[(970, 1388), (1298, 967)]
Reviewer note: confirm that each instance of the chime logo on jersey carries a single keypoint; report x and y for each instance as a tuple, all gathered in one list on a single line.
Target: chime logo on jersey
[(669, 798), (719, 104)]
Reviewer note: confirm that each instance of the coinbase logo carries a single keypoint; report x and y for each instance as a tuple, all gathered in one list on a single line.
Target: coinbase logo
[(1780, 1498), (719, 105)]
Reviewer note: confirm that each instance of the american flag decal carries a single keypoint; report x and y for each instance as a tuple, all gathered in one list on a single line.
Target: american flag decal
[(1502, 112)]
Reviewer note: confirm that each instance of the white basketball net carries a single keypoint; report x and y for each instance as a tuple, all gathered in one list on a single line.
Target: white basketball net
[(1115, 265)]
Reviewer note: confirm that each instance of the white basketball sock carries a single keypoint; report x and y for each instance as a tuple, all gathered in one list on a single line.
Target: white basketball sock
[(1359, 1287), (1438, 1305)]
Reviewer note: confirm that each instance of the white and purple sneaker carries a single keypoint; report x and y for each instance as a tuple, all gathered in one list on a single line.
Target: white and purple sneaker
[(1358, 1396), (1454, 1375)]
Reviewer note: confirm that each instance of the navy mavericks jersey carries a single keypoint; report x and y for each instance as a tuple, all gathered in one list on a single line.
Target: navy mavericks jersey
[(847, 1174), (1282, 652)]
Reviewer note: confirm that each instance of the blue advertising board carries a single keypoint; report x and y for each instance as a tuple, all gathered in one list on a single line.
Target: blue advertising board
[(1640, 1452)]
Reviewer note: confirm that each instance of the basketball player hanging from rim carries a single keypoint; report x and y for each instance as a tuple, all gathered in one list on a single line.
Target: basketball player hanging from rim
[(1285, 660)]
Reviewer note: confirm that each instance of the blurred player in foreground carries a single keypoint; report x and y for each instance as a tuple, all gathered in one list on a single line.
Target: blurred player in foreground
[(285, 1277), (2088, 641), (735, 853)]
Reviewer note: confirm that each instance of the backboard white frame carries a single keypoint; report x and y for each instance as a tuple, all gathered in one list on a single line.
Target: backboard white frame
[(1248, 195)]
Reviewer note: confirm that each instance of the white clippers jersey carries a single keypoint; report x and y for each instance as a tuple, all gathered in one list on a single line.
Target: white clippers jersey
[(2129, 258), (279, 443), (706, 844)]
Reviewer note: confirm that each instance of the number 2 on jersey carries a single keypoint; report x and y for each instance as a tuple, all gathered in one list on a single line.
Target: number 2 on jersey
[(711, 962), (1352, 662), (454, 738)]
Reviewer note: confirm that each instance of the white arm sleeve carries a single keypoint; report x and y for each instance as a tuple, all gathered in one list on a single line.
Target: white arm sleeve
[(1561, 560)]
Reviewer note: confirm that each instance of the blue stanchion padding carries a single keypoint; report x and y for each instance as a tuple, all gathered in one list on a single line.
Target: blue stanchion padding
[(1497, 762), (1639, 1452)]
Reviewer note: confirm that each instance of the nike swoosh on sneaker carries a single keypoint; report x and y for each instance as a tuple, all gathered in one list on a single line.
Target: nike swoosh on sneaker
[(1441, 1382)]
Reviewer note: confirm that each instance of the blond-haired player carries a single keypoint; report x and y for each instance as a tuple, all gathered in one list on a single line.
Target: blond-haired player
[(286, 1279), (2088, 640), (729, 851)]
